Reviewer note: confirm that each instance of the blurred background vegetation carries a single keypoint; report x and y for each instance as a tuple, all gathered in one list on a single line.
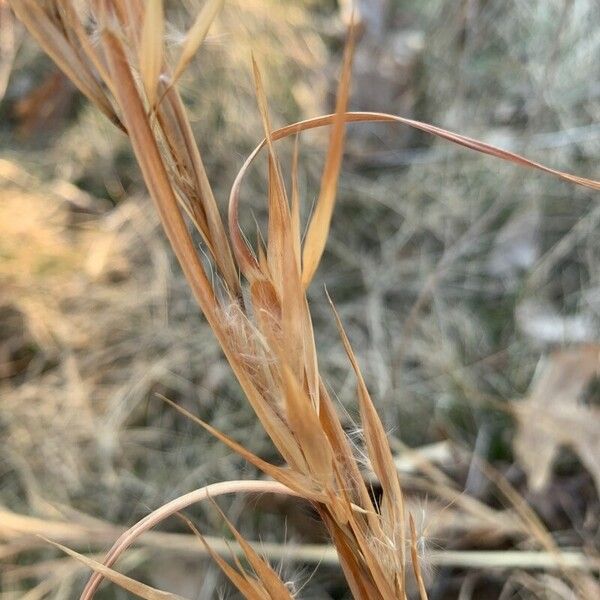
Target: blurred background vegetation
[(457, 276)]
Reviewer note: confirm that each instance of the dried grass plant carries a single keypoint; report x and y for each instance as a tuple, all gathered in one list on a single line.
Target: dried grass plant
[(255, 301)]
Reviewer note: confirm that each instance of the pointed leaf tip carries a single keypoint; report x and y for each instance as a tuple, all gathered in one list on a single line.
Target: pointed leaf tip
[(197, 34)]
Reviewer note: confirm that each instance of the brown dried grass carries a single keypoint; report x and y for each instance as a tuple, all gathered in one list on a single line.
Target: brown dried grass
[(257, 307)]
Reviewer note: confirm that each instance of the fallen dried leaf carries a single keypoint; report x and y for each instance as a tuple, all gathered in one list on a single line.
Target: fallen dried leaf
[(553, 415)]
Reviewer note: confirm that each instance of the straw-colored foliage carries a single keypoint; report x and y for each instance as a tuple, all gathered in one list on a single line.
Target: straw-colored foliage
[(256, 303)]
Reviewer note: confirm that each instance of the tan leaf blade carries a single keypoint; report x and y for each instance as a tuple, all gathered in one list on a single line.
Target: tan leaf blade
[(282, 258), (141, 590), (197, 34), (375, 117), (156, 177), (295, 208), (176, 126), (305, 424), (241, 580), (287, 478), (278, 247), (151, 48), (48, 35), (318, 228), (271, 581), (353, 481), (78, 34), (375, 436), (359, 581), (278, 224), (378, 450)]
